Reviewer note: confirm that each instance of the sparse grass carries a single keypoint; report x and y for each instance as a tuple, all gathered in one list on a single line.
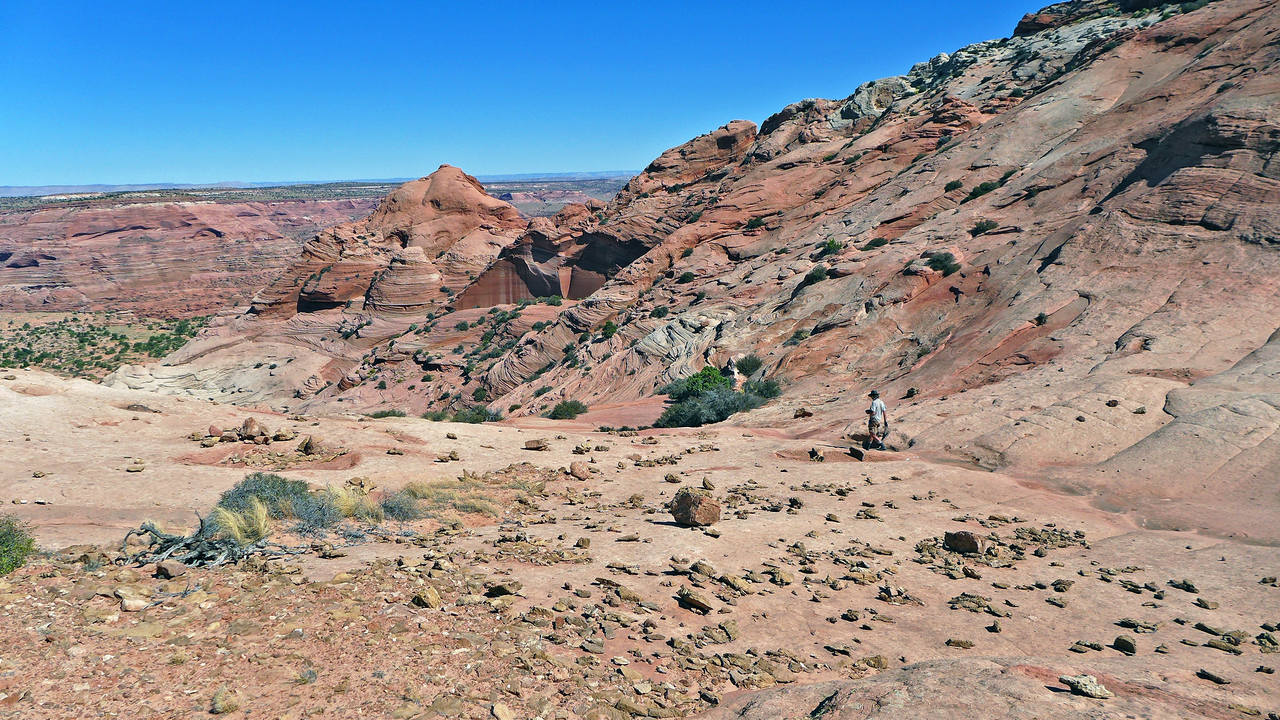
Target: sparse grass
[(16, 544), (377, 414)]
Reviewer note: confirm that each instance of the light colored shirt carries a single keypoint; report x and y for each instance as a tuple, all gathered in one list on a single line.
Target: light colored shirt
[(878, 410)]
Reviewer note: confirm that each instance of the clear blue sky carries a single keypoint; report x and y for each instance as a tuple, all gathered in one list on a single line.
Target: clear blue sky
[(134, 92)]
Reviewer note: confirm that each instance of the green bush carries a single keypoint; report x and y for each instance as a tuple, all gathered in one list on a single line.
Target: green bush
[(953, 185), (1041, 319), (983, 226), (436, 415), (479, 394), (542, 391), (944, 262), (462, 326), (767, 389), (830, 247), (610, 327), (567, 410), (814, 276), (1017, 92), (393, 412), (797, 337), (874, 243), (703, 381), (980, 190), (686, 252), (749, 364), (659, 312), (753, 223), (686, 277), (476, 415), (16, 544)]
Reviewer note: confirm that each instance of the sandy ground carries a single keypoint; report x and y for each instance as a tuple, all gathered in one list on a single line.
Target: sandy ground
[(840, 532)]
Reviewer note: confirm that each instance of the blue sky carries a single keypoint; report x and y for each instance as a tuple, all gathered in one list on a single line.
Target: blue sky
[(136, 92)]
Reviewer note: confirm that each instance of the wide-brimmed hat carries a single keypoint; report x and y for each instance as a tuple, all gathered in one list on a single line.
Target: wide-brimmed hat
[(874, 393)]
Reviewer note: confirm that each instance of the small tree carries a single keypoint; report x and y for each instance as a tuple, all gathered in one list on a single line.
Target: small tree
[(567, 410)]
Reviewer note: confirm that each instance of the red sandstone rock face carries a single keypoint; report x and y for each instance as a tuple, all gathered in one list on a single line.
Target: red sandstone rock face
[(163, 259)]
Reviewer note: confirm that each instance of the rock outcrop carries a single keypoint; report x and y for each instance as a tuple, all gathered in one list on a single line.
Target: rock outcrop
[(166, 259)]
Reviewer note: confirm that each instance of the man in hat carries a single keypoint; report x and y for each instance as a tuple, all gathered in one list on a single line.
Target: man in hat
[(877, 422)]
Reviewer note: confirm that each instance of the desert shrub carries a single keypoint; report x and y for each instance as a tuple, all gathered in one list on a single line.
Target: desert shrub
[(1041, 319), (436, 415), (314, 512), (944, 262), (1226, 86), (277, 494), (766, 389), (874, 243), (686, 252), (542, 391), (756, 222), (476, 415), (479, 394), (953, 185), (401, 506), (830, 247), (686, 277), (814, 276), (703, 381), (555, 301), (702, 295), (567, 410), (392, 412), (983, 226), (462, 326), (797, 337), (1017, 92), (706, 408), (980, 190), (749, 364), (16, 544), (659, 312), (610, 327)]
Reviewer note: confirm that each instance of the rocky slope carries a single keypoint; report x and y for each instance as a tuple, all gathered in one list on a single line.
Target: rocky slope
[(158, 258), (1037, 247)]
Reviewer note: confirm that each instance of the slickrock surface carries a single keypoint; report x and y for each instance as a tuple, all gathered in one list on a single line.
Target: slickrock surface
[(824, 586), (163, 259)]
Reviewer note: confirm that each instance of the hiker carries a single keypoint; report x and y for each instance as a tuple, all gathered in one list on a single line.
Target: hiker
[(877, 422)]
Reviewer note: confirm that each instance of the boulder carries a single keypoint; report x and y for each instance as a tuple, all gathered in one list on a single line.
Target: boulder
[(694, 508), (964, 542), (580, 470)]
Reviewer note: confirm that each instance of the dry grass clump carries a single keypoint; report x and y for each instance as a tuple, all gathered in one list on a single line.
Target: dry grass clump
[(248, 525)]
